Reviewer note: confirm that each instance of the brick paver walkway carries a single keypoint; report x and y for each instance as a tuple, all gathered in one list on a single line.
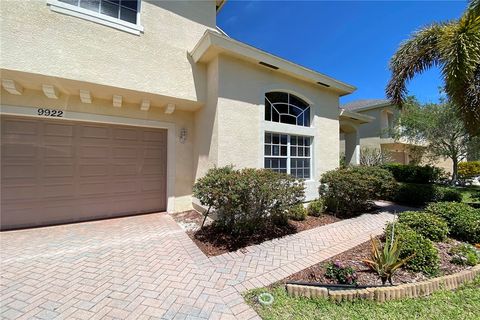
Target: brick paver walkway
[(146, 267)]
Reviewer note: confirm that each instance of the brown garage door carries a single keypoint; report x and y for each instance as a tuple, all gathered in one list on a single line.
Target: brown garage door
[(61, 171)]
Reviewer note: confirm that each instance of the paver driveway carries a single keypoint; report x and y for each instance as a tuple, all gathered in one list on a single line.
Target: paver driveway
[(146, 267)]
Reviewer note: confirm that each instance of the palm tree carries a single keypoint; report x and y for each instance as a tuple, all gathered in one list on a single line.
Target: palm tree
[(452, 46)]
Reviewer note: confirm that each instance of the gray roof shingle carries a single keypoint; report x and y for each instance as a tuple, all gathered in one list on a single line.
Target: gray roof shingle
[(363, 103)]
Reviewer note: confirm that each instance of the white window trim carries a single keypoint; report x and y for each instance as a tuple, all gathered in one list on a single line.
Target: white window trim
[(289, 156), (75, 11)]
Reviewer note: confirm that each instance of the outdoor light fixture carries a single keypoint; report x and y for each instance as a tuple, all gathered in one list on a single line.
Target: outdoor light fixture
[(183, 135)]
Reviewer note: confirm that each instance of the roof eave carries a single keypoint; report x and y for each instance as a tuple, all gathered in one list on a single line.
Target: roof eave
[(358, 117), (219, 4), (212, 44), (376, 106)]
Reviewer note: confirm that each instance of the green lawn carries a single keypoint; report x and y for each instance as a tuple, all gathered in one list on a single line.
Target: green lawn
[(461, 304), (470, 193)]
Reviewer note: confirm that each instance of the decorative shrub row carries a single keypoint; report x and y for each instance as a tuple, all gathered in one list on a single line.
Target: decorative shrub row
[(249, 199), (425, 259), (420, 194), (462, 219), (428, 225), (469, 169), (349, 191), (414, 174)]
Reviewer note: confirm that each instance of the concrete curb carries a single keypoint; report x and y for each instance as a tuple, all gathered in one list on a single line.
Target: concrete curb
[(381, 294)]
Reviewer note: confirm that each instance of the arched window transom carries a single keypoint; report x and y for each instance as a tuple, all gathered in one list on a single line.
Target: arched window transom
[(286, 108)]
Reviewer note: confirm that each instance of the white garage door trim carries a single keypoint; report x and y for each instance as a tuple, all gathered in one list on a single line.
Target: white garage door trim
[(97, 118)]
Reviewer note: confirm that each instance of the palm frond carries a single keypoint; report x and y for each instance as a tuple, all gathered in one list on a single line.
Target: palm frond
[(460, 58), (414, 56)]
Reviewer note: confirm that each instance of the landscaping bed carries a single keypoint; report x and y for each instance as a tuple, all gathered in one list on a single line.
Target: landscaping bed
[(353, 258), (460, 304), (212, 241)]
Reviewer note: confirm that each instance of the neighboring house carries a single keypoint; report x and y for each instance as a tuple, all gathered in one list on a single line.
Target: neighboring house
[(375, 134), (111, 108)]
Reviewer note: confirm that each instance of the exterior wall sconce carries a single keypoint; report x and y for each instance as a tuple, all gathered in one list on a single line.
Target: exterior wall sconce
[(183, 135)]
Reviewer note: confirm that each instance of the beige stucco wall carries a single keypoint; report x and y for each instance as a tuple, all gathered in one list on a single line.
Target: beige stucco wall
[(236, 119), (37, 40), (183, 151)]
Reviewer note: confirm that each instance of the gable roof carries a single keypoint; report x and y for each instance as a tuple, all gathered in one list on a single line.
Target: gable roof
[(366, 104), (213, 43)]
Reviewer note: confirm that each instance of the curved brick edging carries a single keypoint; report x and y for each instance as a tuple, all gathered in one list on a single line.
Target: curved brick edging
[(381, 294)]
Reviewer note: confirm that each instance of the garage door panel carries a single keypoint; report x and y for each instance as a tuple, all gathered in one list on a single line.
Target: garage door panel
[(19, 171), (125, 134), (22, 150), (59, 130), (126, 152), (125, 170), (18, 192), (95, 132), (57, 171), (150, 136), (99, 188), (92, 151), (21, 127), (59, 151), (127, 187)]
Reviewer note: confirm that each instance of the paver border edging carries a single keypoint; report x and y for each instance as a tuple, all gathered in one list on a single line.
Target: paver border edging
[(381, 294)]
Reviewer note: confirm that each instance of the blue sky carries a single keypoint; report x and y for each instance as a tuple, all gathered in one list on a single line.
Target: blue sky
[(351, 41)]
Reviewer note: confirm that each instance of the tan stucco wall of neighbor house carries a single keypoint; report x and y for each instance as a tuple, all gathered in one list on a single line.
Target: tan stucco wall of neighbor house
[(237, 119), (37, 40), (129, 113)]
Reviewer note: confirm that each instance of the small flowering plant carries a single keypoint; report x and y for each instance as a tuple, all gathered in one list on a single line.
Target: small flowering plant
[(342, 274)]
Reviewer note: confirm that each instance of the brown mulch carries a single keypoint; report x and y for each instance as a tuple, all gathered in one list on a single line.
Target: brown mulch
[(213, 241), (353, 258)]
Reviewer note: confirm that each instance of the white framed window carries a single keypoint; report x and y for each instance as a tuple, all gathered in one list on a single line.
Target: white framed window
[(287, 153), (286, 108), (120, 14)]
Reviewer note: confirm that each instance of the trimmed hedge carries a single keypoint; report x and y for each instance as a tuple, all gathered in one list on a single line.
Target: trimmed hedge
[(350, 190), (426, 257), (249, 199), (414, 174), (469, 169), (297, 212), (415, 194), (462, 219), (427, 224), (316, 208)]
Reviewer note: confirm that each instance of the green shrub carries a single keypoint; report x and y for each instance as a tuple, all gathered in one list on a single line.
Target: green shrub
[(427, 224), (316, 208), (417, 194), (465, 254), (249, 199), (349, 191), (448, 194), (469, 169), (426, 258), (414, 174), (297, 212), (463, 220), (343, 275)]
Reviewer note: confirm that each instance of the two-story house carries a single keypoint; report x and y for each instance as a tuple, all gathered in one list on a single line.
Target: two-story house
[(376, 133), (116, 107)]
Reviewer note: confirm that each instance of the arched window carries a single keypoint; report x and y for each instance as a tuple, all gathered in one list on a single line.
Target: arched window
[(286, 108)]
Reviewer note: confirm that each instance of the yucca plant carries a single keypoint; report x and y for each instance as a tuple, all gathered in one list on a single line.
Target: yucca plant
[(387, 261)]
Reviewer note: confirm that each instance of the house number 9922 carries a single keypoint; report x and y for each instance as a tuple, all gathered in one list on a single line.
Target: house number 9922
[(49, 112)]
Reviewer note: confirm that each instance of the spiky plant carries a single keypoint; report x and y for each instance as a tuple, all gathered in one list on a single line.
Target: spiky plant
[(387, 261), (454, 47)]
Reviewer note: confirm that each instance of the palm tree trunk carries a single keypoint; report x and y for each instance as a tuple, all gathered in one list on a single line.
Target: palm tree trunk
[(455, 170)]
